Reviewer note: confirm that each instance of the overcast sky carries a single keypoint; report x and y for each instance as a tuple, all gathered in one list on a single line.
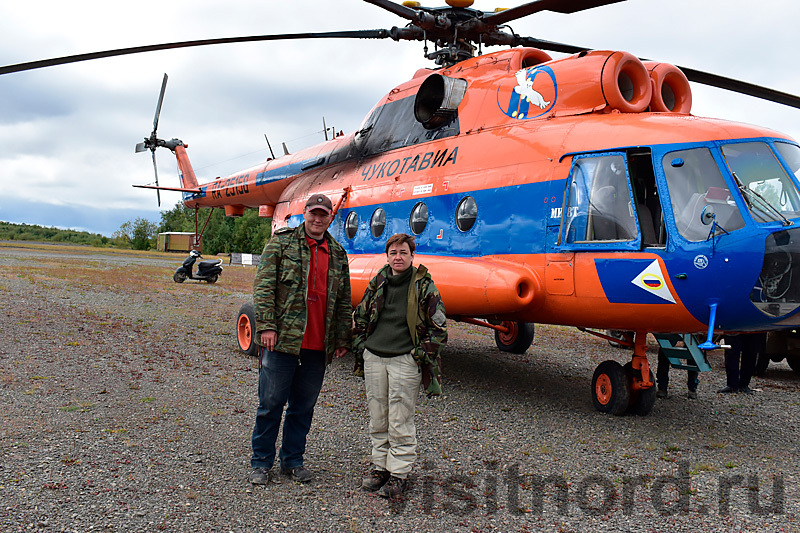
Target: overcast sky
[(67, 133)]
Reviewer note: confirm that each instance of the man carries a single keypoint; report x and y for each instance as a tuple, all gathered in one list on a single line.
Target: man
[(740, 361), (303, 318), (400, 330), (662, 377)]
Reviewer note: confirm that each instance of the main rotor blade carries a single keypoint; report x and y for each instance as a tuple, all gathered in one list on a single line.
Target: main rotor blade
[(397, 9), (158, 107), (559, 6), (739, 86), (31, 65)]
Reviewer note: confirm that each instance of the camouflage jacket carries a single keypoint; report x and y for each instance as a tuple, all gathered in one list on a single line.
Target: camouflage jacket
[(426, 322), (279, 292)]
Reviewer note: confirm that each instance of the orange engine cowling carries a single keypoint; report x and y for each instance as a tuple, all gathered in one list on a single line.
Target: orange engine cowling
[(600, 80), (626, 86), (671, 91)]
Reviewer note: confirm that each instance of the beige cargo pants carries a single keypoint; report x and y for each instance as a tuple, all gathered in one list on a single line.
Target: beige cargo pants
[(392, 385)]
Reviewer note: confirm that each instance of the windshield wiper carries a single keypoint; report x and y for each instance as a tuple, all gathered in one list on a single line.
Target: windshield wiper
[(752, 195)]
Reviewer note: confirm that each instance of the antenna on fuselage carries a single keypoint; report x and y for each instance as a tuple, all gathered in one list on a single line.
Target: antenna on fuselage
[(269, 146), (285, 150)]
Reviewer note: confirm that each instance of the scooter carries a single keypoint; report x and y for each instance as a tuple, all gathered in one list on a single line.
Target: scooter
[(206, 270)]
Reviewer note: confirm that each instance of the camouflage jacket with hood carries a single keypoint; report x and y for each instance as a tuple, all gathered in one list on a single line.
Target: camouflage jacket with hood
[(426, 322), (279, 292)]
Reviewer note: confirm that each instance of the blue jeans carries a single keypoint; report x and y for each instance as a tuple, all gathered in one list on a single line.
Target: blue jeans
[(284, 378)]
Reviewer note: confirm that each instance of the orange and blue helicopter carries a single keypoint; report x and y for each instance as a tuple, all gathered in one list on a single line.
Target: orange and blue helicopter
[(578, 191)]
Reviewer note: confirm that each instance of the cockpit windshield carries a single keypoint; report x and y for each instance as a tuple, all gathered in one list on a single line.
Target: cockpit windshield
[(694, 181), (770, 194)]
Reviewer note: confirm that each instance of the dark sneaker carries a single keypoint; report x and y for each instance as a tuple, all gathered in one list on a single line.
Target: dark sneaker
[(661, 393), (727, 390), (394, 488), (746, 390), (300, 473), (692, 395), (375, 480), (259, 476)]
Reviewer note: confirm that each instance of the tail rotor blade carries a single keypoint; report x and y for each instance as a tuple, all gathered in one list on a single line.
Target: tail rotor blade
[(158, 107), (155, 169)]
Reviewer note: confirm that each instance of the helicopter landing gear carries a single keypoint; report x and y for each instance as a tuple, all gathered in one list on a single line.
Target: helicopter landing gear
[(610, 390), (517, 339), (246, 329), (618, 389), (641, 400)]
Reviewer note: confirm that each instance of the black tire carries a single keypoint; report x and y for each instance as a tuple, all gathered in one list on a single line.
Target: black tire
[(641, 401), (761, 364), (794, 363), (619, 334), (213, 279), (246, 329), (610, 390), (179, 277), (518, 339)]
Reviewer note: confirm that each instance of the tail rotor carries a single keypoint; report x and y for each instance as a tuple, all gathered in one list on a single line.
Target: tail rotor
[(152, 142)]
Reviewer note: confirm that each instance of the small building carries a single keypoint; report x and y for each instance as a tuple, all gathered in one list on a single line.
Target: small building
[(177, 241)]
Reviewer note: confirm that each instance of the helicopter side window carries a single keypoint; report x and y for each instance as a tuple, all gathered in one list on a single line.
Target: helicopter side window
[(351, 225), (419, 218), (694, 181), (766, 188), (599, 203), (378, 222)]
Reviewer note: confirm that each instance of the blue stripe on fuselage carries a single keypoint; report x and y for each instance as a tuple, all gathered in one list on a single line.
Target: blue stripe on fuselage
[(511, 220)]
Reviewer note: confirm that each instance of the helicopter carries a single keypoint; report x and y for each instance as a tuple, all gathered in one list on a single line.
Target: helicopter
[(578, 191)]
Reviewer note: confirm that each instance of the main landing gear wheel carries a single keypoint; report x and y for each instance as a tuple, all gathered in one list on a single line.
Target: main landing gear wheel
[(641, 401), (610, 391), (246, 328), (517, 339), (179, 277)]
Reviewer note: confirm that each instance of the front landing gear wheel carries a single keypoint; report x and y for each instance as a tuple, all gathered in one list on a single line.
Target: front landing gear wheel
[(517, 339), (641, 401), (246, 329), (610, 391)]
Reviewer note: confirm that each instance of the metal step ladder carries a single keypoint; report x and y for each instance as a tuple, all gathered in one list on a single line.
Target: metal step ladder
[(687, 357)]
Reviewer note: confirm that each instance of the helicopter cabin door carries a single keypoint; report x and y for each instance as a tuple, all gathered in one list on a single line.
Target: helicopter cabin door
[(606, 212)]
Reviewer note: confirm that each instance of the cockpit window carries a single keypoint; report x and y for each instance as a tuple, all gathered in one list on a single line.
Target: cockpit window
[(769, 192), (791, 154), (694, 182)]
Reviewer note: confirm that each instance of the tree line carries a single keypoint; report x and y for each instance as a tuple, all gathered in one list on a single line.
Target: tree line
[(245, 234)]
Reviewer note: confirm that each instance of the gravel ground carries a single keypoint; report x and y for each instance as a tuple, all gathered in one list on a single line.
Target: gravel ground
[(128, 407)]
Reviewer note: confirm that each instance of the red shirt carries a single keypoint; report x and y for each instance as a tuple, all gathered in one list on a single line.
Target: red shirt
[(316, 296)]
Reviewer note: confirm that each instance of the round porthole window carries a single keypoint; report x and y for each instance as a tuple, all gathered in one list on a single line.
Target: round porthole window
[(419, 218), (466, 213), (378, 222), (351, 225)]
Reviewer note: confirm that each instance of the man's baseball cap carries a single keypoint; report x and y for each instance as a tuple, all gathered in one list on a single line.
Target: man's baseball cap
[(319, 201)]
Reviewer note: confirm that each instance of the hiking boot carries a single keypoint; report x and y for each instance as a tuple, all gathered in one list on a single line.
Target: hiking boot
[(394, 488), (300, 473), (260, 476), (692, 395), (727, 390), (375, 480), (746, 390), (661, 393)]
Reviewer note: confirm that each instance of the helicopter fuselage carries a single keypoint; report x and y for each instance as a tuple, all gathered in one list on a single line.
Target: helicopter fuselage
[(535, 199)]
